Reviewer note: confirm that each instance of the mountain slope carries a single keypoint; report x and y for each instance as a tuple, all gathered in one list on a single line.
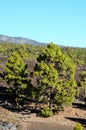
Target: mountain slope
[(4, 38)]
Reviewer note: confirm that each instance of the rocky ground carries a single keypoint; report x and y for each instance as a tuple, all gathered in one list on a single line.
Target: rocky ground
[(63, 120), (7, 126)]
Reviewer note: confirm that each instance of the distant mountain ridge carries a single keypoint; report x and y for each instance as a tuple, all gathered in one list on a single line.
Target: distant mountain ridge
[(20, 40)]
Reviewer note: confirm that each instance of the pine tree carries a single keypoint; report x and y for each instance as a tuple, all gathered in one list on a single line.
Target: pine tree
[(54, 73), (15, 75)]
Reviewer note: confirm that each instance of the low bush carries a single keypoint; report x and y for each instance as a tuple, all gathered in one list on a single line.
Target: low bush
[(78, 126), (46, 112)]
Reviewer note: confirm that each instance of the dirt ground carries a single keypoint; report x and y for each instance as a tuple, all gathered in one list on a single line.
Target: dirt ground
[(47, 126), (63, 120)]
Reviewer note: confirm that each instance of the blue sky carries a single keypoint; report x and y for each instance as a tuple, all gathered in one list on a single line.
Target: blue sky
[(60, 21)]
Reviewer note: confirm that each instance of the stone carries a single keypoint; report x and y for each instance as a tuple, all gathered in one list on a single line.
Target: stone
[(7, 126)]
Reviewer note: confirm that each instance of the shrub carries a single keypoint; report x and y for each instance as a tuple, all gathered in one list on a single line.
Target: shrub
[(46, 112), (78, 126)]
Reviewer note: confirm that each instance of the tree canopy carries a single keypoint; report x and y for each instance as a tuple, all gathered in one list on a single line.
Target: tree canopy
[(55, 77)]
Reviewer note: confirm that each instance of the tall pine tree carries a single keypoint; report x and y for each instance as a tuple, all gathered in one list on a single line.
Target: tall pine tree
[(54, 73)]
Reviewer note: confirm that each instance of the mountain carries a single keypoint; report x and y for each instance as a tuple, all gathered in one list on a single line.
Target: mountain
[(20, 40)]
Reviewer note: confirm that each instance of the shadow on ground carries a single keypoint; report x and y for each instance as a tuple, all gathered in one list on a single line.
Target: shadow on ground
[(79, 105), (5, 100), (8, 103), (78, 120)]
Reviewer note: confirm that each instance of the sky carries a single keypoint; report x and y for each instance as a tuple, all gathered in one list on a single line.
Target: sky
[(60, 21)]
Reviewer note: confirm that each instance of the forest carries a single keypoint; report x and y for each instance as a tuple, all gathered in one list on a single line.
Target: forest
[(50, 76)]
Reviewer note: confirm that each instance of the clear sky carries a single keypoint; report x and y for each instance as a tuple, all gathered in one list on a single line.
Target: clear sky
[(60, 21)]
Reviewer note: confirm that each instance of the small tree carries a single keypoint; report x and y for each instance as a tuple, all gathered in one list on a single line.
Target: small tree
[(15, 75)]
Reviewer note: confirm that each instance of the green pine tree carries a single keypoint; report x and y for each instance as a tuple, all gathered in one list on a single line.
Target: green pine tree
[(54, 73), (15, 75)]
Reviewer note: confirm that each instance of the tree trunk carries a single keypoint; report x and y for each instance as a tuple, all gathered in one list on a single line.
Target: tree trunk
[(51, 100), (51, 105)]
